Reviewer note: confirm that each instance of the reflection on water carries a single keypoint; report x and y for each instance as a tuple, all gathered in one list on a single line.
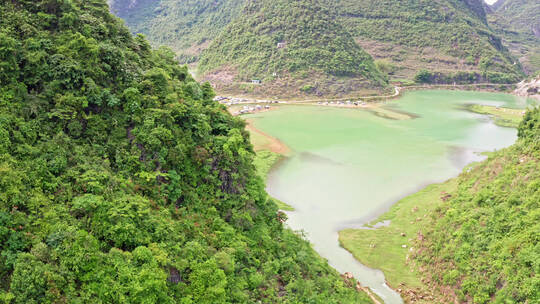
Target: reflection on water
[(318, 159), (349, 166), (462, 156)]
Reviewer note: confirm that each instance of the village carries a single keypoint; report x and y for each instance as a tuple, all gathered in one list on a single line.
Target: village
[(240, 106)]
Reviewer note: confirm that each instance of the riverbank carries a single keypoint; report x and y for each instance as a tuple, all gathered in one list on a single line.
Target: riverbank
[(268, 151), (503, 117), (346, 170), (464, 240), (398, 92), (388, 248), (265, 142)]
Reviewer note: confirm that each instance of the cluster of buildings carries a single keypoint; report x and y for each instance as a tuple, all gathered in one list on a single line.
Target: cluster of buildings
[(229, 101), (250, 105), (251, 109), (342, 103)]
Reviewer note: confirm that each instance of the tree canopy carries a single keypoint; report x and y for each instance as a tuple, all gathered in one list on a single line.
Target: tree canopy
[(122, 181)]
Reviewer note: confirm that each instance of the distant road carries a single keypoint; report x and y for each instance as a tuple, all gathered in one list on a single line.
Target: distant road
[(397, 92)]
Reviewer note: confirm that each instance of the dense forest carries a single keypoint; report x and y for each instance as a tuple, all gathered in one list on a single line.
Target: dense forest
[(121, 181), (288, 37), (186, 26), (484, 241)]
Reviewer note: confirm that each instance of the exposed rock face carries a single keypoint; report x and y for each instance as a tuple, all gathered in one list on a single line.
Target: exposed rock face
[(488, 8), (529, 88)]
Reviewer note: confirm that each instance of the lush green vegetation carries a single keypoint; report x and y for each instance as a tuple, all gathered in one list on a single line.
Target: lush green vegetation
[(288, 37), (450, 39), (484, 241), (519, 16), (462, 77), (503, 117), (186, 26), (432, 29), (518, 23), (263, 162), (122, 181), (383, 248), (476, 235)]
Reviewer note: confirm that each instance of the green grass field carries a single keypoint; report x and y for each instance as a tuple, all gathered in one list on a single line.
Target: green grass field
[(383, 248), (503, 117)]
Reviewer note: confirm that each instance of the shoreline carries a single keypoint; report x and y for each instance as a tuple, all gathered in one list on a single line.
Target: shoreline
[(374, 103), (418, 293), (282, 151), (398, 91), (383, 248), (267, 155), (274, 145)]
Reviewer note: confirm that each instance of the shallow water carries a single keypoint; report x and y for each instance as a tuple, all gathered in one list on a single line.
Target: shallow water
[(349, 165)]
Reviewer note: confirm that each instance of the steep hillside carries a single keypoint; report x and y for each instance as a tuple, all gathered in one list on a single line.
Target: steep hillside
[(472, 239), (121, 181), (293, 40), (518, 22), (521, 16), (137, 14), (187, 26), (441, 36), (484, 242), (448, 39)]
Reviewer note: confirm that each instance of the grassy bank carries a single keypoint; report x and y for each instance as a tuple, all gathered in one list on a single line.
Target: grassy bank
[(503, 117), (387, 248), (265, 159)]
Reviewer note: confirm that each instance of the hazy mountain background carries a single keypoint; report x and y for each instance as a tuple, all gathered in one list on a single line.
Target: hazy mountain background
[(448, 41)]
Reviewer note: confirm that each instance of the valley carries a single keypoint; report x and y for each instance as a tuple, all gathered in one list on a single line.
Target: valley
[(353, 105), (269, 151), (348, 166)]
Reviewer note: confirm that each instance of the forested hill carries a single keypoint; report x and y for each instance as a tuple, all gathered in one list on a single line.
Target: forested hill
[(136, 13), (187, 26), (484, 241), (521, 16), (439, 36), (518, 22), (121, 181), (450, 39), (278, 39)]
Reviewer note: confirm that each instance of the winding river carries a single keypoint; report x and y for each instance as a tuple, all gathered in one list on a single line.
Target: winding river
[(348, 166)]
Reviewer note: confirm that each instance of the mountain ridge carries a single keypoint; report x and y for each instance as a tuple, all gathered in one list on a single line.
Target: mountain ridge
[(450, 39), (271, 39)]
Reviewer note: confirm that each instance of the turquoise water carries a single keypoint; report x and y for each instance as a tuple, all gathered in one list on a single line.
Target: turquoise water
[(349, 165)]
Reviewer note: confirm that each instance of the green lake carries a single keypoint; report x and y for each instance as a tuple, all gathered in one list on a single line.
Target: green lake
[(348, 166)]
